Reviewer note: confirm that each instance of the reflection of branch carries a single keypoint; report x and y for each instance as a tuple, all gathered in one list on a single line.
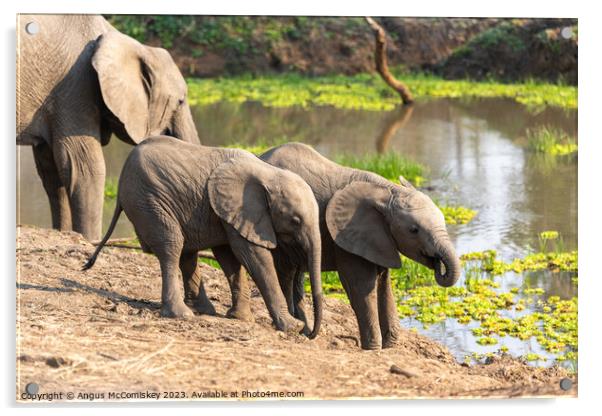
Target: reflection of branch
[(380, 59), (393, 123)]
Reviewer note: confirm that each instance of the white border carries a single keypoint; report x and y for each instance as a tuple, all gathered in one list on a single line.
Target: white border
[(590, 177)]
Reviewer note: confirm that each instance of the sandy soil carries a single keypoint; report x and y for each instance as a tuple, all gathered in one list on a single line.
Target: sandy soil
[(100, 331)]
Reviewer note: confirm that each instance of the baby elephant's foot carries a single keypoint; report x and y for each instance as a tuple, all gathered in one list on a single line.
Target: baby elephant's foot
[(204, 307), (243, 314), (306, 331), (176, 310), (287, 323), (391, 340)]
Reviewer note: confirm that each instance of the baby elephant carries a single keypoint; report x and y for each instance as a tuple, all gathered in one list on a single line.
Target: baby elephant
[(182, 198), (366, 221)]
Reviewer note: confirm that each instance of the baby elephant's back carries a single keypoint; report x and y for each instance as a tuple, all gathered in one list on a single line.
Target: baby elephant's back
[(167, 175), (165, 166)]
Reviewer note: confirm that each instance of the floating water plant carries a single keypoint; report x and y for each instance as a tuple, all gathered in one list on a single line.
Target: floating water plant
[(366, 91)]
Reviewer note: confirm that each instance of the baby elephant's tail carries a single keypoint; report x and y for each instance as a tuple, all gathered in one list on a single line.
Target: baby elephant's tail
[(116, 214)]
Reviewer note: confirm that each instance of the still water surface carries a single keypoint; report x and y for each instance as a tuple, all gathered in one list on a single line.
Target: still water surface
[(476, 155)]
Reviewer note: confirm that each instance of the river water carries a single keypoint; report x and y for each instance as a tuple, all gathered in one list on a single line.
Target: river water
[(476, 154)]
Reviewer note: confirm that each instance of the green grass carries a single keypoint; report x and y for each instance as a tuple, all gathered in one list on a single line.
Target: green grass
[(368, 91), (389, 165), (551, 141)]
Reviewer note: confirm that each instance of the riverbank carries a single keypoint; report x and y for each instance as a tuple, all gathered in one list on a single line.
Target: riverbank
[(100, 331), (476, 48)]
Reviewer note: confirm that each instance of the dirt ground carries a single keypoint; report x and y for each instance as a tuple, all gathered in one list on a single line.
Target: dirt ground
[(100, 331)]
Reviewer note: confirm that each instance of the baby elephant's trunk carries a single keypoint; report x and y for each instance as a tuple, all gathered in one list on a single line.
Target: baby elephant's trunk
[(315, 278)]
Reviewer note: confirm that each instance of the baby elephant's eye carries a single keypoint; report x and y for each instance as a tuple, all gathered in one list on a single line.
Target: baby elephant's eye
[(414, 229), (181, 101)]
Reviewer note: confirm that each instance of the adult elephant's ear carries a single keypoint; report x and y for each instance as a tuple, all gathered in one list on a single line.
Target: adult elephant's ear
[(125, 81), (355, 220), (238, 196)]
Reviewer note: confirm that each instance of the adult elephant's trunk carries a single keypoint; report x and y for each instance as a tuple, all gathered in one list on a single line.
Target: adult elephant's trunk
[(315, 278), (447, 265), (183, 125)]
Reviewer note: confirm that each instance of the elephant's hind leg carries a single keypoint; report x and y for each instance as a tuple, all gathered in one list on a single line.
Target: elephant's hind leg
[(387, 310), (194, 290), (166, 241), (56, 191), (239, 284)]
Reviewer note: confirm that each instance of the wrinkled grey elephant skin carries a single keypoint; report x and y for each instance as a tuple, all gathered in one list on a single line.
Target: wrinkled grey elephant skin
[(78, 81), (365, 222), (182, 198)]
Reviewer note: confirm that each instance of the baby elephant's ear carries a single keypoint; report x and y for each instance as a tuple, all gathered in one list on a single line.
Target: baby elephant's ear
[(356, 223), (238, 197)]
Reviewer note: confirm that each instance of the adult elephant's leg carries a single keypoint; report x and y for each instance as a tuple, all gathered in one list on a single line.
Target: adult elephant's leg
[(238, 282), (387, 309), (360, 276), (194, 290), (81, 167), (56, 191), (260, 265)]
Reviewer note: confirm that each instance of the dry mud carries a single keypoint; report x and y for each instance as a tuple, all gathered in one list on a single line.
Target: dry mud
[(100, 331)]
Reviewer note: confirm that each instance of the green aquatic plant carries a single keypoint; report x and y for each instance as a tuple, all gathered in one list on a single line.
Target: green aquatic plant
[(367, 91), (111, 188), (551, 141), (389, 165), (457, 214), (555, 261)]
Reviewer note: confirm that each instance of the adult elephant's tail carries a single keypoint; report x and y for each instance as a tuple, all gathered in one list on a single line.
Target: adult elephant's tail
[(104, 240)]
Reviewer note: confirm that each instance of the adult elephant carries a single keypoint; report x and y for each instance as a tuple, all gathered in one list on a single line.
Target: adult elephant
[(79, 80), (365, 222)]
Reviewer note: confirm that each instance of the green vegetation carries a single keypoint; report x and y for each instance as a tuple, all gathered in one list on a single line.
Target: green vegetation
[(554, 261), (457, 214), (389, 165), (551, 141), (367, 91), (552, 322), (111, 188)]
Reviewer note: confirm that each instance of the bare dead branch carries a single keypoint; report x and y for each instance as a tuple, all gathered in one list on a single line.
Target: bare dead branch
[(380, 59)]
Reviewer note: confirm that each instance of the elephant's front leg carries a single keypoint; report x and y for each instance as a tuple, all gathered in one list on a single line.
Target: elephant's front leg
[(387, 310), (359, 280), (194, 290), (238, 282), (260, 265), (81, 167), (299, 299), (56, 191)]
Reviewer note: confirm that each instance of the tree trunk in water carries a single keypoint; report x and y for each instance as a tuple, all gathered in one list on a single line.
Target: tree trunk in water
[(380, 59)]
